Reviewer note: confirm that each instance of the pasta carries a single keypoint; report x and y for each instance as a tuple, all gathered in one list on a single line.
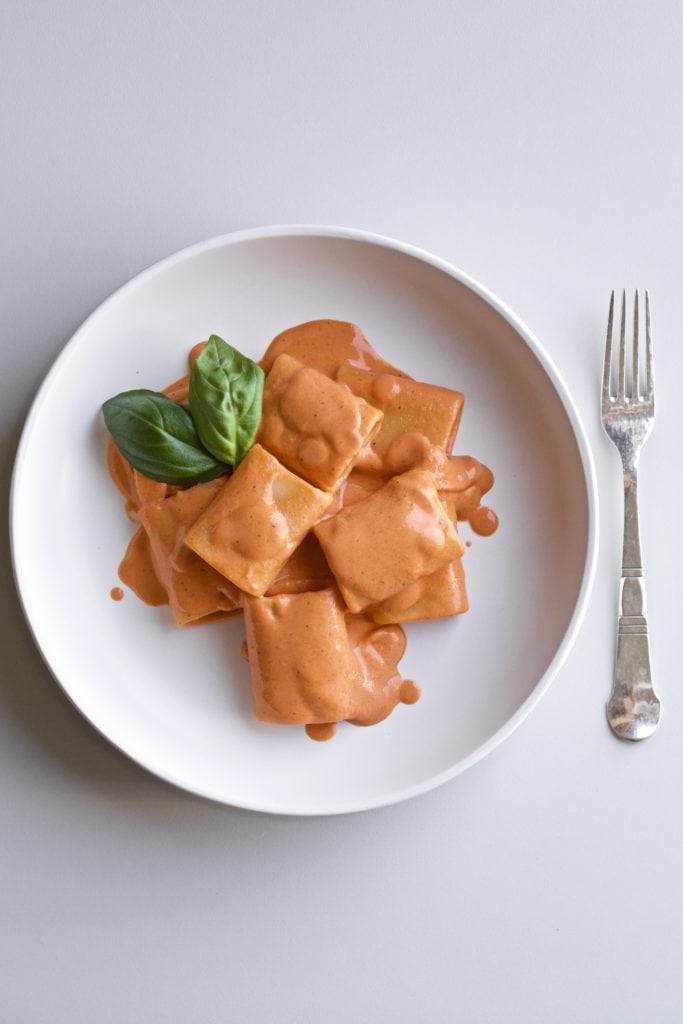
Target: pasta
[(340, 523)]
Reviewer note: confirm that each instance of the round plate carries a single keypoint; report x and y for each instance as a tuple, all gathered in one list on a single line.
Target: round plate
[(178, 701)]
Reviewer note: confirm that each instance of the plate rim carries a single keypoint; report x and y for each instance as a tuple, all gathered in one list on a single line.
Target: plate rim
[(297, 230)]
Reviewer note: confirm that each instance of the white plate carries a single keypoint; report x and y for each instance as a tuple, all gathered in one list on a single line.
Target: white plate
[(177, 701)]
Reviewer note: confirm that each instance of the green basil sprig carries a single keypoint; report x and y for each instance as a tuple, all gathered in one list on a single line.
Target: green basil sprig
[(226, 392), (169, 443), (158, 438)]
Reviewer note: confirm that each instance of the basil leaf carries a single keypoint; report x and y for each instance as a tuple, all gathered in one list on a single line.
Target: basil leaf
[(226, 392), (157, 437)]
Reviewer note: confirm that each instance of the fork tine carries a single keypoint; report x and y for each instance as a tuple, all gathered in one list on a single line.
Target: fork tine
[(621, 371), (635, 391), (607, 369), (649, 372)]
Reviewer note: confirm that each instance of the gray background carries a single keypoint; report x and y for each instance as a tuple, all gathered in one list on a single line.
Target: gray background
[(537, 146)]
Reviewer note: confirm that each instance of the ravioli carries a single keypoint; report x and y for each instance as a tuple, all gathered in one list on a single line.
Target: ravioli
[(389, 540), (409, 406), (195, 590), (313, 425), (261, 514)]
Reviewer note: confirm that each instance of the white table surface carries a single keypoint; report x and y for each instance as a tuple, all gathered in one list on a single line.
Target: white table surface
[(537, 146)]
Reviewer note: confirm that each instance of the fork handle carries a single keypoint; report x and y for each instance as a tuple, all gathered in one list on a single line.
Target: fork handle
[(633, 709), (631, 560)]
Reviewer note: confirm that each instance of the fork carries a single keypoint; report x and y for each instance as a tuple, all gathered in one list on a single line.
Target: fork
[(633, 709)]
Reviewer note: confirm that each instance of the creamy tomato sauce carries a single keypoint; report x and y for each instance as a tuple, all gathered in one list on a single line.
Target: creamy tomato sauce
[(341, 523), (312, 663), (137, 571), (327, 345)]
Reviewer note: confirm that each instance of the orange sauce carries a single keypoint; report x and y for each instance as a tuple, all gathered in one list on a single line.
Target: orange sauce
[(326, 345), (313, 662), (305, 570), (321, 731), (409, 692), (315, 426), (379, 650), (483, 520), (195, 590), (137, 571)]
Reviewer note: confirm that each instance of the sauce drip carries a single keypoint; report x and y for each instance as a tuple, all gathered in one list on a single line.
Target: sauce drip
[(137, 571), (321, 731), (116, 594), (409, 692), (379, 650), (483, 520), (462, 478)]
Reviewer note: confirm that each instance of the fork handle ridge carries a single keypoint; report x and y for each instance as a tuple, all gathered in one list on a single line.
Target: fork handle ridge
[(632, 691)]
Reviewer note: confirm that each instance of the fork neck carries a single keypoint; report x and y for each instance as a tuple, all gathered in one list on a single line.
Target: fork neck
[(632, 563)]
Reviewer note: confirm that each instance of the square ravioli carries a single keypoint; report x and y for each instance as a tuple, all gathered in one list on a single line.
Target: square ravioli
[(389, 540), (303, 667), (195, 590), (409, 406), (313, 425), (261, 514), (437, 596)]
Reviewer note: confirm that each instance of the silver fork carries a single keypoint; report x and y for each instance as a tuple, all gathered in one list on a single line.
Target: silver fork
[(633, 709)]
